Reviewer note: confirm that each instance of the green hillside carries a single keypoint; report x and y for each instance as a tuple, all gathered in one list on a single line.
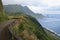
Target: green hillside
[(28, 28), (2, 13)]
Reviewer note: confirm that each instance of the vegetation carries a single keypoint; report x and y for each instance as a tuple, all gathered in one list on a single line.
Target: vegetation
[(28, 28), (3, 17)]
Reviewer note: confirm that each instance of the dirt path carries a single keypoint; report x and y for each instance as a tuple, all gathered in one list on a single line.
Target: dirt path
[(5, 24)]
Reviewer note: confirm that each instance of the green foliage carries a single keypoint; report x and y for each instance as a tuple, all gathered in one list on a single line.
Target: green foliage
[(31, 26), (3, 17), (21, 27), (14, 14)]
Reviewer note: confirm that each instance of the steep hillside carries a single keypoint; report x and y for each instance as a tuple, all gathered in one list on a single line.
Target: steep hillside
[(50, 33), (2, 14), (28, 11), (13, 8), (28, 28), (18, 8)]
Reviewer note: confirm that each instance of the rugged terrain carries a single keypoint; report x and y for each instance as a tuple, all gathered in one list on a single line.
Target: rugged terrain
[(28, 28), (12, 9)]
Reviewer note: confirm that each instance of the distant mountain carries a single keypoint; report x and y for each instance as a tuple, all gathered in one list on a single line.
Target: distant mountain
[(53, 15), (13, 8), (39, 15), (19, 8)]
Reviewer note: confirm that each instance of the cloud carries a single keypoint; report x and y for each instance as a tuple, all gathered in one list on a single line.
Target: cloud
[(43, 3), (44, 6), (37, 9), (40, 6), (6, 2), (51, 2), (55, 8)]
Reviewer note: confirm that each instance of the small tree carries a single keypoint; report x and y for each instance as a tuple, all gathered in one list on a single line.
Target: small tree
[(21, 27)]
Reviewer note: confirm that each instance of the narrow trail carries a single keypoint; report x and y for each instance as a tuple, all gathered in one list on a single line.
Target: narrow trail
[(6, 24), (4, 31)]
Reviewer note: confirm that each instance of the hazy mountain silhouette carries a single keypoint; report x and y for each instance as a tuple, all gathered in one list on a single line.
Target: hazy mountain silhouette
[(19, 8)]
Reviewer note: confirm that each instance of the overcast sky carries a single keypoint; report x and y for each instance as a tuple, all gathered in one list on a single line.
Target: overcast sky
[(38, 6)]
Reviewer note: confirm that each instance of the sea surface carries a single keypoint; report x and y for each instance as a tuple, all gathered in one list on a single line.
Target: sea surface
[(52, 24)]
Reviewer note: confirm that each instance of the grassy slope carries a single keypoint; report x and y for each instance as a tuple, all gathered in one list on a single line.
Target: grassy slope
[(2, 13), (30, 29)]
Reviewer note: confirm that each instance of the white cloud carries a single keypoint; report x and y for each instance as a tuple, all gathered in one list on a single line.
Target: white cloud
[(44, 6), (35, 8), (5, 2), (52, 2), (40, 6), (34, 2), (48, 3)]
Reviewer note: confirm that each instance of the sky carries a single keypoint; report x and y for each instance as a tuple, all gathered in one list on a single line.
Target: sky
[(38, 6)]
